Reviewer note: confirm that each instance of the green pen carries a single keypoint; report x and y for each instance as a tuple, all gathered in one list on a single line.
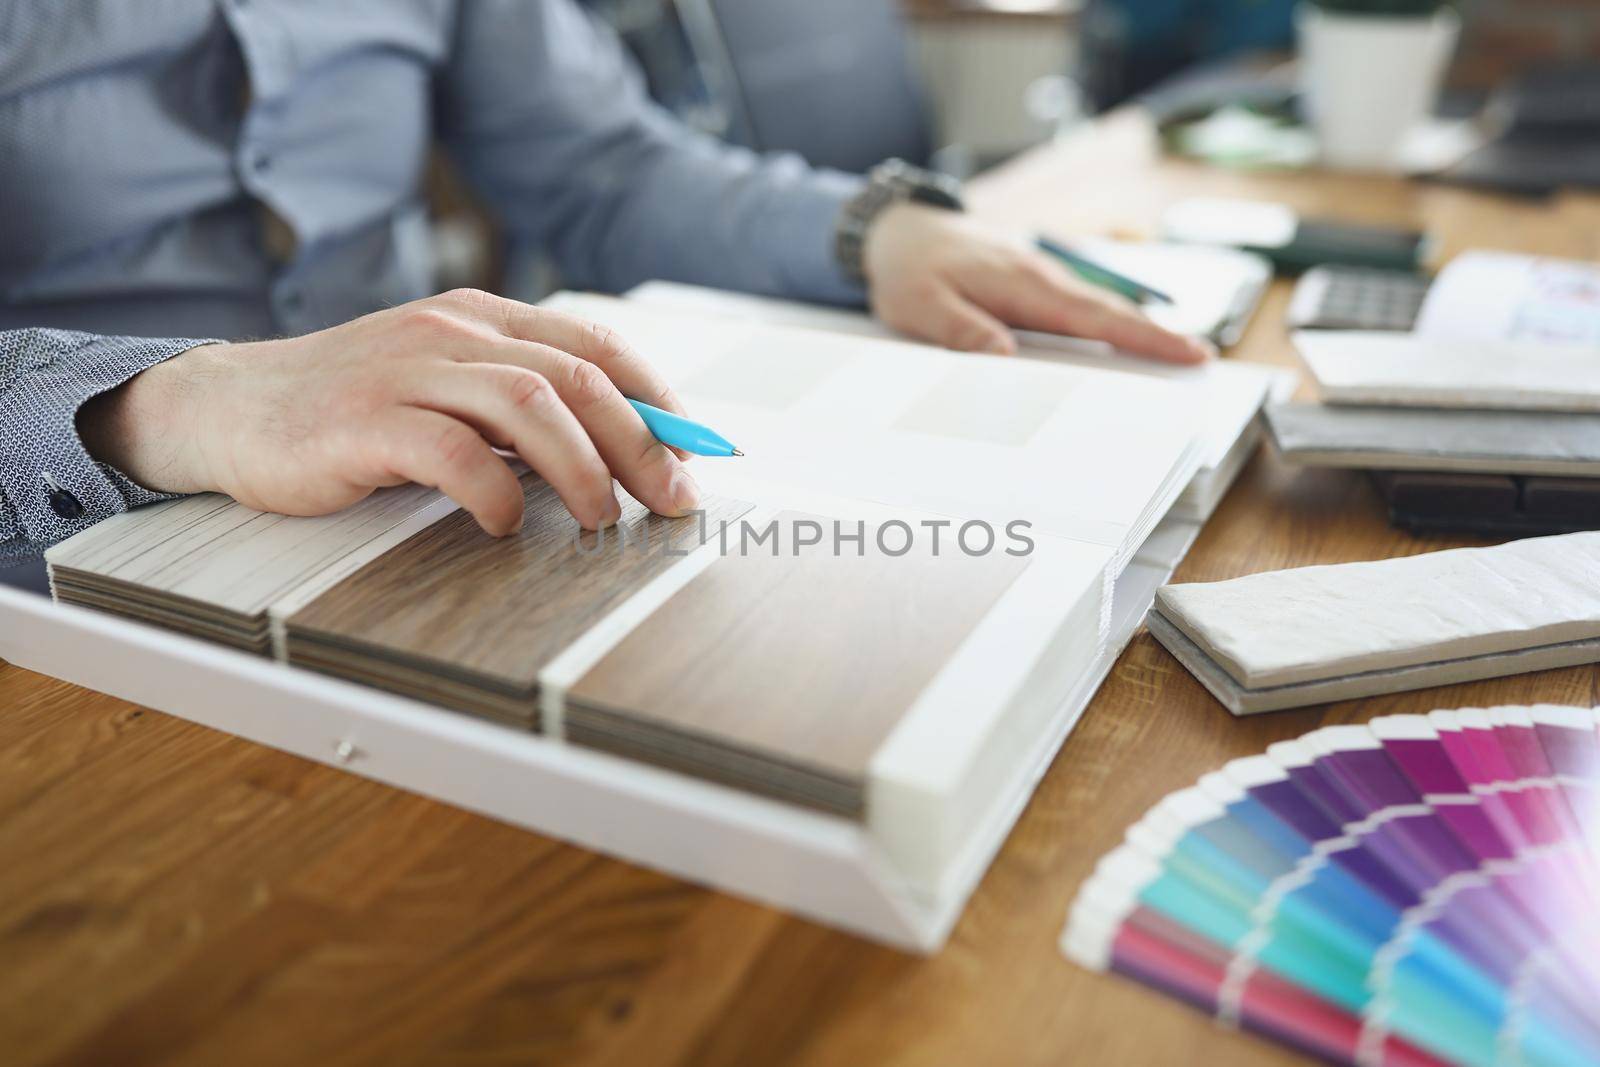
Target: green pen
[(1104, 277)]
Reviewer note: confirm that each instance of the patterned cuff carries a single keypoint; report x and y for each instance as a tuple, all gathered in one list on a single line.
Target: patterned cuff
[(53, 487)]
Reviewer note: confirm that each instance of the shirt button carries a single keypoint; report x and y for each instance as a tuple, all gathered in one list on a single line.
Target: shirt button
[(61, 502), (261, 162)]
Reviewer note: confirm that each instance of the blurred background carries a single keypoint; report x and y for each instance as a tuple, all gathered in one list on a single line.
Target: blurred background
[(962, 85)]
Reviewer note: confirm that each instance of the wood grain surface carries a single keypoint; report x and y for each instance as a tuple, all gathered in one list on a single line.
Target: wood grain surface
[(468, 620), (208, 566), (171, 895), (783, 671)]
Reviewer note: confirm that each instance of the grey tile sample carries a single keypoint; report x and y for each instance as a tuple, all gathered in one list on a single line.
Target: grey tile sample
[(1489, 442)]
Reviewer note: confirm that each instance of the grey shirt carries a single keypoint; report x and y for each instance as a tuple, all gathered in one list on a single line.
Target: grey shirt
[(142, 146)]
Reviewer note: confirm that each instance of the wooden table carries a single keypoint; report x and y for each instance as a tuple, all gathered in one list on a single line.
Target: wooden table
[(173, 895)]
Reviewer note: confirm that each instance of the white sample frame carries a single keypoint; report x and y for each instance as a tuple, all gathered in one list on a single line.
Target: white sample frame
[(819, 866)]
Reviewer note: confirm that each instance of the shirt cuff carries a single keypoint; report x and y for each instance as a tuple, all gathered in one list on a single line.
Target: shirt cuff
[(55, 373), (810, 219)]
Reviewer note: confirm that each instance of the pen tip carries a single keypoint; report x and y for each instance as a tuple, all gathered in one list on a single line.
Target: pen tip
[(737, 452)]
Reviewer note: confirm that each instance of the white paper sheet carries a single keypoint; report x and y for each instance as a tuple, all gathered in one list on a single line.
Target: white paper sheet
[(1226, 394), (1498, 296), (1101, 463), (1497, 331)]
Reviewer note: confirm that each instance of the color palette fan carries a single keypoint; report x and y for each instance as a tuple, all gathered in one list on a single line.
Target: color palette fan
[(1419, 890)]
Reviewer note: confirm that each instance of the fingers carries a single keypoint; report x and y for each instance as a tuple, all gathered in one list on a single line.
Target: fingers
[(592, 342), (645, 467), (949, 319), (516, 408), (1038, 295), (432, 449), (1131, 331), (1101, 316)]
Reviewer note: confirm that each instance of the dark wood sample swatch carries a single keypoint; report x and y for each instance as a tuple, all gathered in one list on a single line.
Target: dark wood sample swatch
[(454, 616), (785, 674)]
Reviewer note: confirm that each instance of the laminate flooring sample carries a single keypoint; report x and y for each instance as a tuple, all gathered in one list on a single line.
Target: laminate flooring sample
[(784, 674), (459, 618), (210, 567)]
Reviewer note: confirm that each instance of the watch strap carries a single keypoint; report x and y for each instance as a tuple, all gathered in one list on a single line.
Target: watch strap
[(888, 183)]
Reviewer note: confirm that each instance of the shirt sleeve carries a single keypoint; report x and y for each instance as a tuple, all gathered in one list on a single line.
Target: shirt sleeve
[(45, 376), (547, 116)]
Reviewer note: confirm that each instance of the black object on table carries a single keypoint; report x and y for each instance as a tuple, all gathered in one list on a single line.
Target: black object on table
[(1489, 504)]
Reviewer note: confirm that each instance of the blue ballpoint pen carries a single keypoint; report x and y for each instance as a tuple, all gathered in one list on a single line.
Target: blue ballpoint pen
[(675, 431)]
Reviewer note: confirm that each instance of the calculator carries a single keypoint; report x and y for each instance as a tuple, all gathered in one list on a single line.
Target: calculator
[(1357, 298)]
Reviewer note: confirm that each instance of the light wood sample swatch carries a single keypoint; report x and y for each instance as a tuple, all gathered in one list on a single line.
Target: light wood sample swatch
[(784, 674), (463, 619), (211, 567)]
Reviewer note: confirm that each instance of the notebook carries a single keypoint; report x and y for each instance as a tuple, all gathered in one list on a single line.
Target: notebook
[(1495, 331), (1214, 291), (1314, 634), (1227, 394)]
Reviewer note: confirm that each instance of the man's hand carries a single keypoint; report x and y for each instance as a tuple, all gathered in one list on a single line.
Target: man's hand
[(419, 393), (944, 277)]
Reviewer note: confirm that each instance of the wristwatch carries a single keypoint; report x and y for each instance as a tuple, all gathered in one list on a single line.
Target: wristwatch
[(890, 182)]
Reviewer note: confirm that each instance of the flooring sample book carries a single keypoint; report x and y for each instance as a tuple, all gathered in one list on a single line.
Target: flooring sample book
[(899, 681), (896, 682), (1228, 395), (1314, 634), (456, 617), (1437, 439), (209, 567), (915, 690)]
